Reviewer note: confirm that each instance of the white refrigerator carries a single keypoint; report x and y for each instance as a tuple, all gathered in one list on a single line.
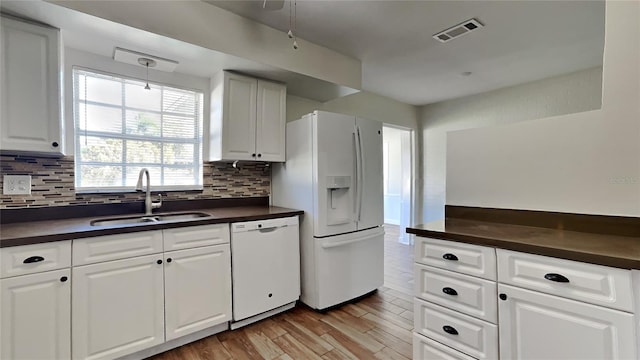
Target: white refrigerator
[(333, 171)]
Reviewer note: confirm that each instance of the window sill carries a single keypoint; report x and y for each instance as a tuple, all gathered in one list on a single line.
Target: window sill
[(120, 190)]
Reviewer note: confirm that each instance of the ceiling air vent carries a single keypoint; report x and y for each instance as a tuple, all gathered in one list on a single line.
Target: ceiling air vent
[(458, 30)]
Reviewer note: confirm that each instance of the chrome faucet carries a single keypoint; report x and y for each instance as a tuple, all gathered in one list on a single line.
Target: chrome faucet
[(148, 204)]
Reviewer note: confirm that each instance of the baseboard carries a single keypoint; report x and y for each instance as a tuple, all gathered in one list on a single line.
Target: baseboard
[(172, 344), (264, 315)]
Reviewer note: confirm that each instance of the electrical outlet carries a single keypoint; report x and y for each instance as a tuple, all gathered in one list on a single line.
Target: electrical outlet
[(16, 185)]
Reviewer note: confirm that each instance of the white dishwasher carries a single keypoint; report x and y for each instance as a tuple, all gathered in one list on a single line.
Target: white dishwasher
[(265, 268)]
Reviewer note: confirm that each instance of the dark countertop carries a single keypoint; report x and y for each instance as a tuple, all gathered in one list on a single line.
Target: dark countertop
[(33, 232), (602, 249)]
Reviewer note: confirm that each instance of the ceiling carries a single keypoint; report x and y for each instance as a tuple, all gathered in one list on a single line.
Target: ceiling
[(522, 41), (98, 36)]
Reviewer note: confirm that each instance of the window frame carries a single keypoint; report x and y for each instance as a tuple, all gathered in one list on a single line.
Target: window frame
[(198, 141)]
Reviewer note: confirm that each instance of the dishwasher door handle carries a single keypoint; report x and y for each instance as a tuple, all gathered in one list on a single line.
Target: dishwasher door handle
[(268, 230)]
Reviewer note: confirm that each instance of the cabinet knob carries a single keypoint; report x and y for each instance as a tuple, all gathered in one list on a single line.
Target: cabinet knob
[(169, 260), (449, 256), (64, 278), (503, 296), (159, 262), (253, 155), (33, 259), (54, 144), (270, 294), (449, 291), (556, 278), (450, 330), (259, 155)]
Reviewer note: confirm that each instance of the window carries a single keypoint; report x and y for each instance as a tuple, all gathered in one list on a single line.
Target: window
[(121, 128)]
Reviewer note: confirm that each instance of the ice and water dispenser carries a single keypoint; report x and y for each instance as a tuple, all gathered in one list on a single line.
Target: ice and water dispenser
[(339, 209)]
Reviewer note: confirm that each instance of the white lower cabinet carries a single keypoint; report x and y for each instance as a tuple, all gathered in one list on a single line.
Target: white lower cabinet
[(534, 325), (547, 308), (197, 289), (35, 316), (118, 307), (425, 348), (462, 332)]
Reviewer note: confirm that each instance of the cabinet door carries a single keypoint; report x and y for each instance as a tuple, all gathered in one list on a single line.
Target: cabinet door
[(271, 121), (197, 289), (540, 326), (36, 316), (239, 117), (117, 307), (30, 72)]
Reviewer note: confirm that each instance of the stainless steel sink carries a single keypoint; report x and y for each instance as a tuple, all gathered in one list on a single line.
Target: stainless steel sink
[(149, 219)]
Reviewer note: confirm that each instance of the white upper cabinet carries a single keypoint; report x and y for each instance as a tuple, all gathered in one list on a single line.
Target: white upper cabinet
[(30, 77), (247, 119)]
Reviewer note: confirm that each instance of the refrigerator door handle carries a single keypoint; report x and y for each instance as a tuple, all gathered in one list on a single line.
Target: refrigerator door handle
[(360, 172), (356, 177)]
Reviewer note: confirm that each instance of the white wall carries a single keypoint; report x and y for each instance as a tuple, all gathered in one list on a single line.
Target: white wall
[(580, 163), (566, 94)]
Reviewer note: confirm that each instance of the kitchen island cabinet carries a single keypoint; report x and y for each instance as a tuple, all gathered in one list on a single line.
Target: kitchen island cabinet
[(547, 308), (534, 325)]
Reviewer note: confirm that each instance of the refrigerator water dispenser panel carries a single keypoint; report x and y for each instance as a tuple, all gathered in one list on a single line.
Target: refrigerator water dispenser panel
[(339, 210), (338, 182)]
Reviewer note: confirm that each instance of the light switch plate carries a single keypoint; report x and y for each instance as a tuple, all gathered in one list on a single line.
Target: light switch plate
[(16, 185)]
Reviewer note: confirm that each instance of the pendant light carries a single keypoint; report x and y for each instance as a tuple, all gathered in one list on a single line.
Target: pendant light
[(148, 63), (292, 20)]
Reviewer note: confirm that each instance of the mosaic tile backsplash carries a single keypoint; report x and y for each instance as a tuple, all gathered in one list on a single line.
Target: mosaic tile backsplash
[(52, 183)]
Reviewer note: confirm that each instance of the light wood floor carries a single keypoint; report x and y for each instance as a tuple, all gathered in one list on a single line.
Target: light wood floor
[(376, 327)]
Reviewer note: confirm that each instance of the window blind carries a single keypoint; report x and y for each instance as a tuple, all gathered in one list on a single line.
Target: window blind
[(121, 128)]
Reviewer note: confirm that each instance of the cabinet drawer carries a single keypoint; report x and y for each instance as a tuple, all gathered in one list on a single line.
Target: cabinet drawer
[(115, 247), (595, 284), (467, 294), (195, 236), (28, 259), (462, 332), (464, 258), (425, 348)]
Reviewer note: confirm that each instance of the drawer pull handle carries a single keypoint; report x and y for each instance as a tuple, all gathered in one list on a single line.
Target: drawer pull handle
[(450, 330), (33, 259), (451, 257), (556, 278), (449, 291)]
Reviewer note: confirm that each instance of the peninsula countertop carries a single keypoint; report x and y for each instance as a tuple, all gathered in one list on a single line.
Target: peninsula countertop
[(602, 249)]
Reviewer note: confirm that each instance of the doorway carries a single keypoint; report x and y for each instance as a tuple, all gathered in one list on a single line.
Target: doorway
[(397, 151), (398, 185)]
